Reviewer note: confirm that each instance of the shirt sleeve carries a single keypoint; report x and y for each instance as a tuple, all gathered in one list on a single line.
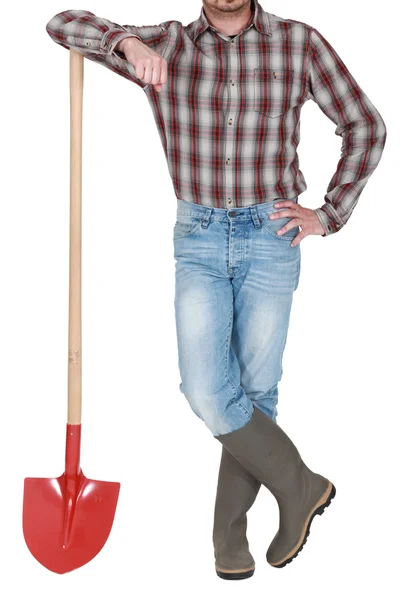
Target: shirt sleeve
[(358, 122), (96, 38)]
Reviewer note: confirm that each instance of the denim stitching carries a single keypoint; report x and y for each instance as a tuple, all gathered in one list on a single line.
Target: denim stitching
[(298, 271), (181, 237), (227, 344), (275, 235), (227, 352), (244, 410), (282, 351)]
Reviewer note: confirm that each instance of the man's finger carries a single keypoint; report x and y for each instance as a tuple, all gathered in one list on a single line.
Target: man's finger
[(300, 236), (283, 203), (292, 223), (164, 72), (289, 212)]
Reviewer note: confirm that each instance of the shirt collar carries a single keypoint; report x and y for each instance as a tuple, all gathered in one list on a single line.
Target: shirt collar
[(260, 21)]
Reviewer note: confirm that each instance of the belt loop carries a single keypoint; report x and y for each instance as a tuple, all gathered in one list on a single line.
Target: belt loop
[(255, 217), (206, 217)]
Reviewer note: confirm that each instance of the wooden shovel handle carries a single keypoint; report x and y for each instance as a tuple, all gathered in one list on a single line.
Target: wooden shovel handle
[(75, 247)]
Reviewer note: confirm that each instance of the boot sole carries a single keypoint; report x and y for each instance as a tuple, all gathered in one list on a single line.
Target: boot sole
[(235, 574), (318, 509)]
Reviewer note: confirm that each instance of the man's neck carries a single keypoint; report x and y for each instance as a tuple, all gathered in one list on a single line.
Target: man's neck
[(230, 24)]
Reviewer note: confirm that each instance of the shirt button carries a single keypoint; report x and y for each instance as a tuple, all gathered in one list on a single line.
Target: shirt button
[(230, 122), (228, 160)]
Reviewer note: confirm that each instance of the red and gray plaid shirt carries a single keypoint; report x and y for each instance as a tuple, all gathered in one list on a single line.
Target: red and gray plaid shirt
[(229, 114)]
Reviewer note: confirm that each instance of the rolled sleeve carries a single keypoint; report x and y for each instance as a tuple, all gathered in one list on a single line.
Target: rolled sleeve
[(112, 37), (96, 38)]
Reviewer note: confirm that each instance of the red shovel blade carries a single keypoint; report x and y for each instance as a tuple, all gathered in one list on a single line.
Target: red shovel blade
[(67, 520)]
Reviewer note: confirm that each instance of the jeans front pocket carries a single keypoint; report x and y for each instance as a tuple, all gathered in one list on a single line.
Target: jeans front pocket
[(185, 225), (271, 226)]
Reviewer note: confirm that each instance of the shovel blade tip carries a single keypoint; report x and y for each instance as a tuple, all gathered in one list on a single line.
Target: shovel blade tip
[(64, 531)]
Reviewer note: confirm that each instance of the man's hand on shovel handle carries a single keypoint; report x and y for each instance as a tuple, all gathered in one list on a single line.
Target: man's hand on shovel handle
[(150, 66)]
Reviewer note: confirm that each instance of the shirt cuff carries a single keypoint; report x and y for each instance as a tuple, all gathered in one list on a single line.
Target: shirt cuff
[(112, 37), (329, 219)]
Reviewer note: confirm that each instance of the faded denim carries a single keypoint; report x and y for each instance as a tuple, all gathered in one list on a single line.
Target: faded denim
[(234, 284)]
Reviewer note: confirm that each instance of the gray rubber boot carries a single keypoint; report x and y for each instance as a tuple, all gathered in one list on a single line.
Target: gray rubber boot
[(236, 492), (268, 454)]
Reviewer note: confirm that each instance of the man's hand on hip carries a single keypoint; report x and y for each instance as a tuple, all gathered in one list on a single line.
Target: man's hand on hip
[(305, 218)]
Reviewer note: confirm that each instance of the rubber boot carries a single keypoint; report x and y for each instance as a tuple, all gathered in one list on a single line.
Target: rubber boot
[(236, 492), (268, 454)]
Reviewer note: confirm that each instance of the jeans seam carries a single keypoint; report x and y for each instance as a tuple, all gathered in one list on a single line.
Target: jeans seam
[(282, 352), (243, 409), (227, 351), (298, 271), (227, 344), (181, 237)]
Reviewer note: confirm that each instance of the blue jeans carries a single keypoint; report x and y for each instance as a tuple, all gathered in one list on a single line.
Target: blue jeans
[(234, 284)]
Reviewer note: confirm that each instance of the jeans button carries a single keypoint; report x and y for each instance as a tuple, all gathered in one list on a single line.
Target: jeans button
[(232, 213)]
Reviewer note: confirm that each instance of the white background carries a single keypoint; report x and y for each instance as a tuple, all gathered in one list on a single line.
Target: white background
[(339, 396)]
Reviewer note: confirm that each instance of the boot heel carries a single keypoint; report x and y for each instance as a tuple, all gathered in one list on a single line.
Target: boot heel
[(331, 496), (232, 575), (317, 511)]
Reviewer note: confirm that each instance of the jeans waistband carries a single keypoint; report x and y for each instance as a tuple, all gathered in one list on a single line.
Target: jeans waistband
[(221, 214)]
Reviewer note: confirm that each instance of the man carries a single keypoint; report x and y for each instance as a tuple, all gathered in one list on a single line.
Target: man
[(226, 92)]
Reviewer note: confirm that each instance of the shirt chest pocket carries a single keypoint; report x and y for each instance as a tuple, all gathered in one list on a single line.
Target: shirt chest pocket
[(275, 91)]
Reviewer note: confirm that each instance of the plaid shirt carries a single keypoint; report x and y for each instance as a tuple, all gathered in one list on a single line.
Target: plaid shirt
[(229, 114)]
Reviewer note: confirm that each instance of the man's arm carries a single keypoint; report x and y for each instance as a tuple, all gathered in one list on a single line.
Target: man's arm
[(334, 89), (97, 39)]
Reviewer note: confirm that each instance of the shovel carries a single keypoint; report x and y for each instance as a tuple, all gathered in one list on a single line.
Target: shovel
[(67, 519)]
